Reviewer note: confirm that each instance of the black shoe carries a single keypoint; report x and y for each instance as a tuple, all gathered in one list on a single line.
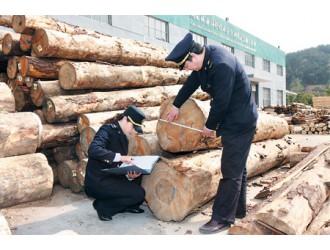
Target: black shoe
[(213, 227), (240, 216), (99, 214), (133, 210)]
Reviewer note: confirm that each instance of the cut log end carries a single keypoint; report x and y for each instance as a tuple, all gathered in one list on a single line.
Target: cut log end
[(48, 108), (67, 76), (12, 67), (37, 95), (24, 65), (7, 44), (40, 42), (18, 23)]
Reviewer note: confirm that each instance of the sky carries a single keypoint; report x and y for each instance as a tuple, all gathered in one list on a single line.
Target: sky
[(291, 24)]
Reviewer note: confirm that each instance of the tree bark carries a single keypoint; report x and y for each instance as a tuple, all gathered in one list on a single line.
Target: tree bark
[(295, 208), (95, 119), (79, 152), (7, 100), (44, 68), (90, 75), (178, 186), (321, 223), (25, 178), (55, 135), (67, 108), (49, 43), (28, 24), (5, 20), (19, 133), (194, 113), (40, 90)]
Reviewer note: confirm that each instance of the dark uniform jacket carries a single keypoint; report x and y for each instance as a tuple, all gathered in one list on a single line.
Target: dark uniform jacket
[(108, 141), (233, 108)]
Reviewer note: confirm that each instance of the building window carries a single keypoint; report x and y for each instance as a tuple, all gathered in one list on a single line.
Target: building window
[(100, 18), (229, 48), (156, 28), (279, 70), (266, 97), (249, 60), (266, 65), (198, 38), (279, 97)]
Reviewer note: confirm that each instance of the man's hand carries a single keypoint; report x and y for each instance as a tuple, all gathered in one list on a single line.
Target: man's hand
[(131, 175), (172, 114), (208, 133)]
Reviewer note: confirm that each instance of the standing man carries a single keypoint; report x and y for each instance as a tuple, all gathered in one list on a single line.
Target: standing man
[(233, 115)]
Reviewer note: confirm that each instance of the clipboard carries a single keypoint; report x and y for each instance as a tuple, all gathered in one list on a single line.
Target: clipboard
[(142, 164)]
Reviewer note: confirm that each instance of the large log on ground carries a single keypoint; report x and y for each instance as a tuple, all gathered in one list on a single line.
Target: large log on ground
[(294, 209), (95, 119), (63, 153), (193, 113), (49, 43), (90, 75), (44, 68), (60, 134), (7, 101), (66, 108), (24, 178), (19, 133), (178, 186), (67, 174)]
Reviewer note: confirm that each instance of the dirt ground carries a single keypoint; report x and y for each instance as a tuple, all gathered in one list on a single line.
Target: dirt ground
[(66, 213)]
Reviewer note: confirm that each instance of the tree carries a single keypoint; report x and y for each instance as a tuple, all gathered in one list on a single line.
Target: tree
[(296, 85)]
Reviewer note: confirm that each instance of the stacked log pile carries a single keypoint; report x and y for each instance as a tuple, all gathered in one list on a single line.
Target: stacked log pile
[(304, 119), (49, 75), (66, 92)]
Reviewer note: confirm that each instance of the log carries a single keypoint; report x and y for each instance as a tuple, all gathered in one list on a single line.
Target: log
[(176, 187), (90, 75), (55, 135), (321, 223), (99, 118), (12, 67), (79, 152), (194, 113), (41, 116), (146, 144), (44, 68), (19, 133), (63, 153), (65, 171), (296, 207), (7, 100), (67, 108), (49, 43), (40, 90), (22, 98), (27, 24), (25, 42), (82, 171), (5, 20), (25, 178), (297, 157), (11, 45), (3, 77)]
